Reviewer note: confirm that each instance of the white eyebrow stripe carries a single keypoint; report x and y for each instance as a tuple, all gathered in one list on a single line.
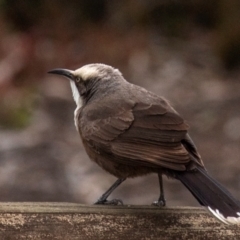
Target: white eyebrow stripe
[(86, 72)]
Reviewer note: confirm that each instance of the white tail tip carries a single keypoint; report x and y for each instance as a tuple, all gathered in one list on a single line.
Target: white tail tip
[(226, 220)]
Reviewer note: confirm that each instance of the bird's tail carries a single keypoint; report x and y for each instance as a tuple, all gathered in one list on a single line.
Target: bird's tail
[(211, 194)]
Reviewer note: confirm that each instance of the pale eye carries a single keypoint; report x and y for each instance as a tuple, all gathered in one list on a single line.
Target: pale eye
[(78, 79)]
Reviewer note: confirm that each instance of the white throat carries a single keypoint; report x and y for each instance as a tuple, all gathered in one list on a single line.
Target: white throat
[(77, 99), (76, 95)]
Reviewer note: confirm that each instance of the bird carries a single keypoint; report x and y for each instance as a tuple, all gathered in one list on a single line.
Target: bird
[(130, 132)]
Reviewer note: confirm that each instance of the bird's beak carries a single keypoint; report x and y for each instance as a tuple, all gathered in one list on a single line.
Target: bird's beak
[(64, 72)]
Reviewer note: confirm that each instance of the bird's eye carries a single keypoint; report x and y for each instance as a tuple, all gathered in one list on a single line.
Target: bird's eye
[(78, 79)]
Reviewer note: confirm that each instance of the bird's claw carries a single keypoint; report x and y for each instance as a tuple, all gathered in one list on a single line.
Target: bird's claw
[(114, 202), (159, 203)]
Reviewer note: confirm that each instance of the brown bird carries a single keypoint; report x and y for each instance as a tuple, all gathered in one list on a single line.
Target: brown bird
[(130, 132)]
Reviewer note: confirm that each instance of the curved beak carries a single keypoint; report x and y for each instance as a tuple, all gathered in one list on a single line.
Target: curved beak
[(64, 72)]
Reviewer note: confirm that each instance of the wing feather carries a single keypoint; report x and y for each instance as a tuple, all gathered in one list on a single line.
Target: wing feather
[(140, 135)]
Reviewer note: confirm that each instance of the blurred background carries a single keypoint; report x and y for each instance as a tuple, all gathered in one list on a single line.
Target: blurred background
[(186, 51)]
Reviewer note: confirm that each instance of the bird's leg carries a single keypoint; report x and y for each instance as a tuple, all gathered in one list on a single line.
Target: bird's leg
[(161, 202), (103, 198)]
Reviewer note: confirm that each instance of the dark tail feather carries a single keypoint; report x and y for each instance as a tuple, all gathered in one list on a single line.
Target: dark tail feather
[(211, 194)]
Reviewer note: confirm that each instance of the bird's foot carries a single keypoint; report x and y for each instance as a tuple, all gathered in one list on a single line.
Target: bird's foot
[(114, 202), (159, 203)]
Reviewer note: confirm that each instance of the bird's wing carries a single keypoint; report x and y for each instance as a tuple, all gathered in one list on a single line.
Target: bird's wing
[(140, 135)]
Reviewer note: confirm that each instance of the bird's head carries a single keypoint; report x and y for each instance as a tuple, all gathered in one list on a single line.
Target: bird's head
[(82, 79)]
